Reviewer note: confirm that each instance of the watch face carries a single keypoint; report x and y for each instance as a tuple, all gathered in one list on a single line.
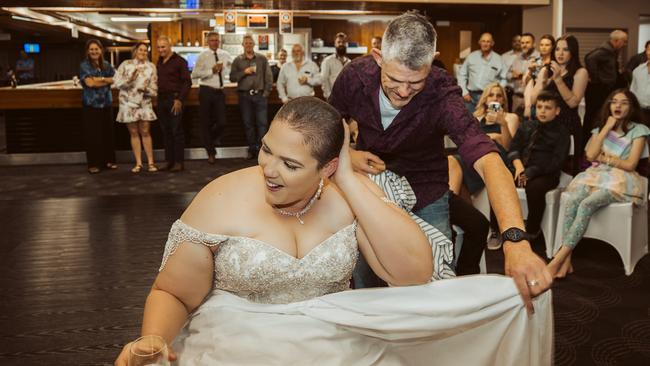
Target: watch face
[(514, 235)]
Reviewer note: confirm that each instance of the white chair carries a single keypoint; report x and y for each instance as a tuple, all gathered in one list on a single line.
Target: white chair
[(482, 203), (622, 225)]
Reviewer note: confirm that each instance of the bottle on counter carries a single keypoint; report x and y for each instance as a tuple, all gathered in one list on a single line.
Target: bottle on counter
[(75, 81), (12, 79)]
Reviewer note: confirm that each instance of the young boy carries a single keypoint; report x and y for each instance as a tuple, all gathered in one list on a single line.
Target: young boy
[(537, 153)]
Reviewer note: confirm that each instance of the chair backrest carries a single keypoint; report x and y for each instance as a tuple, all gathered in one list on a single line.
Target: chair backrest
[(644, 182), (642, 166)]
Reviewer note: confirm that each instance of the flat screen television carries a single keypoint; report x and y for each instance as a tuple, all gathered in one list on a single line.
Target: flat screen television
[(190, 57), (32, 47)]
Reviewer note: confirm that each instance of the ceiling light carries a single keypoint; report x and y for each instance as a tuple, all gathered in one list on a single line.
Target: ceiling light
[(141, 30), (18, 17), (141, 19)]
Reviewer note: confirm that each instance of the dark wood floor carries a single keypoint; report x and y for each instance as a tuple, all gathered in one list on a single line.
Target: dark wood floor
[(75, 273), (78, 254)]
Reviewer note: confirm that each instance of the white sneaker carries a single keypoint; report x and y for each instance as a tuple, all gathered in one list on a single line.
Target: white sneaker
[(494, 241)]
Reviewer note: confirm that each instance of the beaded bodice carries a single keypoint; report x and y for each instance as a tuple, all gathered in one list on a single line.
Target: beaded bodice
[(262, 273)]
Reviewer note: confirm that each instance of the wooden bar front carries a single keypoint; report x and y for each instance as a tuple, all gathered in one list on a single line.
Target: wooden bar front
[(46, 117)]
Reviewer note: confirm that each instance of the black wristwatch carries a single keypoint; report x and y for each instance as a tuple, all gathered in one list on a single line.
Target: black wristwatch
[(514, 235)]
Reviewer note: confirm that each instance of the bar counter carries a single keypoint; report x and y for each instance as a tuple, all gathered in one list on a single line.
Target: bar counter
[(46, 117), (63, 95)]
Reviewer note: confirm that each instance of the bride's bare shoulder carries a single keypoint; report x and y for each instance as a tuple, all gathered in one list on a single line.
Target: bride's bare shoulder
[(215, 204)]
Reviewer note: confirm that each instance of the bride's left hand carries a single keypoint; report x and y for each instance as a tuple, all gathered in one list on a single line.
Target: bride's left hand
[(344, 169)]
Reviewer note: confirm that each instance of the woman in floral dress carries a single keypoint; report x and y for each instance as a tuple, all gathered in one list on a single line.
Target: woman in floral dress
[(137, 81)]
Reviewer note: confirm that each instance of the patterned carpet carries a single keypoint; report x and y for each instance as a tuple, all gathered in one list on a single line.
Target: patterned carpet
[(78, 254)]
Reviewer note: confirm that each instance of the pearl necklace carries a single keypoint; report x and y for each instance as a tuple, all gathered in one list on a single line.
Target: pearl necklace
[(307, 207)]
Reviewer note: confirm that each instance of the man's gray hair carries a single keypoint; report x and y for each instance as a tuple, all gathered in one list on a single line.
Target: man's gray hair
[(409, 39), (212, 34), (164, 38), (247, 36)]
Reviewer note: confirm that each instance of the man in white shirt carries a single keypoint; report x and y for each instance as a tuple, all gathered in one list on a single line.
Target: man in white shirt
[(510, 56), (211, 69), (480, 68), (334, 63), (518, 69), (298, 77), (641, 84)]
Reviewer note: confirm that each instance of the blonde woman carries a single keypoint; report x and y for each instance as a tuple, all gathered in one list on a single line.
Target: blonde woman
[(138, 82), (500, 125)]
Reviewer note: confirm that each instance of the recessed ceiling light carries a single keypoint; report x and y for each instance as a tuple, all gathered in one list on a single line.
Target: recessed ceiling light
[(141, 30), (141, 19)]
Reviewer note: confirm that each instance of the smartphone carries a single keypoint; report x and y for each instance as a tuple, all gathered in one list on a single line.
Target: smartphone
[(494, 107)]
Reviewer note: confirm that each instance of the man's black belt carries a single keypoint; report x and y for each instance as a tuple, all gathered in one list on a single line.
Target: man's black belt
[(252, 92)]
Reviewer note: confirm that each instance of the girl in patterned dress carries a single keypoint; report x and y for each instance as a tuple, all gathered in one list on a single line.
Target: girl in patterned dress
[(137, 81), (614, 150)]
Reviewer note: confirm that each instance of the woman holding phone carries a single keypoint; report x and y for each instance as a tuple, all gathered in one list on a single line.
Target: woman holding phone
[(499, 124)]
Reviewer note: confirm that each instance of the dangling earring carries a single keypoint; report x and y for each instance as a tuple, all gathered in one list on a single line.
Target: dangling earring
[(320, 189)]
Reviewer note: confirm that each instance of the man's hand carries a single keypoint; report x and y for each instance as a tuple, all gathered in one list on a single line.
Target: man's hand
[(217, 68), (366, 162), (177, 107), (467, 98), (303, 79), (527, 270)]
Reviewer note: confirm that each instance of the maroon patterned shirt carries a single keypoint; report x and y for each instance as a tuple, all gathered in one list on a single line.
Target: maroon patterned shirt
[(174, 77), (413, 144)]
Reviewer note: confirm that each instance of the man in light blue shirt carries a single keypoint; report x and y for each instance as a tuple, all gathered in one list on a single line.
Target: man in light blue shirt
[(480, 68)]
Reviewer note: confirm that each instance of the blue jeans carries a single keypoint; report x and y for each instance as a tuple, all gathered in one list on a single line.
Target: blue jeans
[(475, 96), (436, 214), (254, 115)]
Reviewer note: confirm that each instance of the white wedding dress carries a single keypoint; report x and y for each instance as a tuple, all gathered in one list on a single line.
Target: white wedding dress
[(269, 308)]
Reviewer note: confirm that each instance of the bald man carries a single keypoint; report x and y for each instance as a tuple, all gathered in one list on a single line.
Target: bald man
[(298, 77), (604, 76)]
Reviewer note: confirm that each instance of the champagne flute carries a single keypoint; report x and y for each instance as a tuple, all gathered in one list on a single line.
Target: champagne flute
[(149, 350)]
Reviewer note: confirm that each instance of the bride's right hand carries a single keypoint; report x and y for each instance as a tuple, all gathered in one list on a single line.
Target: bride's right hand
[(123, 358)]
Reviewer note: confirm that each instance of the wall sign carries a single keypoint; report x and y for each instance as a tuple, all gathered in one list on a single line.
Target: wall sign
[(230, 21), (259, 21), (286, 22)]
